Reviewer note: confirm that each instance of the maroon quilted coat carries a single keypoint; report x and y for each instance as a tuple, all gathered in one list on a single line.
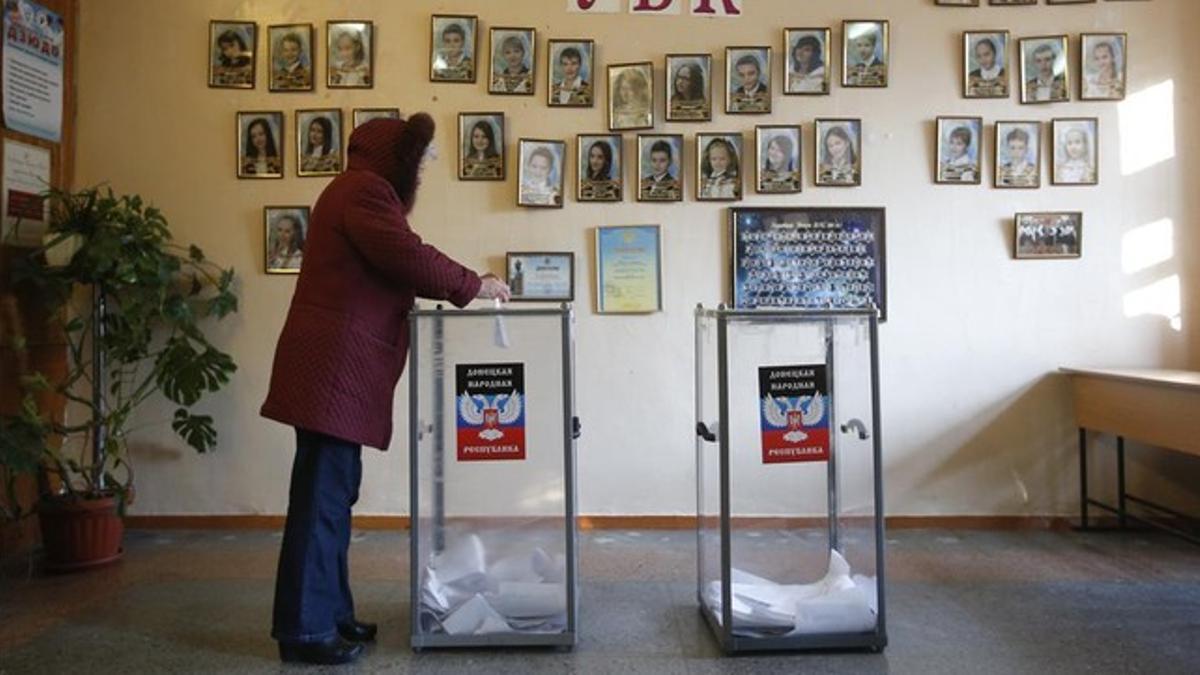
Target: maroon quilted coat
[(345, 341)]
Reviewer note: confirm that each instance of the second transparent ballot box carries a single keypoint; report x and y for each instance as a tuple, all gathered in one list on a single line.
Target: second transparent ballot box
[(492, 438), (789, 497)]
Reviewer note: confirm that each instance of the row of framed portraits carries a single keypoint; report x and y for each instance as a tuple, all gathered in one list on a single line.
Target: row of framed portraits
[(572, 70), (1017, 156), (1045, 66), (722, 162), (291, 55), (320, 140)]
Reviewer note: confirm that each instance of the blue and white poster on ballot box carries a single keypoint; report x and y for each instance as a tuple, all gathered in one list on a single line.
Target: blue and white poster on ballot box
[(490, 411), (794, 414), (33, 69)]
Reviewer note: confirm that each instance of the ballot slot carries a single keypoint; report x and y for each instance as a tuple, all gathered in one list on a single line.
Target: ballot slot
[(789, 526), (492, 478)]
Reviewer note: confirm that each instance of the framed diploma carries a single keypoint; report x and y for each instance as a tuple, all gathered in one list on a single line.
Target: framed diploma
[(541, 276), (813, 258), (628, 269)]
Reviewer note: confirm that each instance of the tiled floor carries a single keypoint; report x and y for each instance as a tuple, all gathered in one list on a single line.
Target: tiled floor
[(958, 602)]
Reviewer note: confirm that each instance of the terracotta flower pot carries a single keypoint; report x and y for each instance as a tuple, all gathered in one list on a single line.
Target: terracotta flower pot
[(79, 534)]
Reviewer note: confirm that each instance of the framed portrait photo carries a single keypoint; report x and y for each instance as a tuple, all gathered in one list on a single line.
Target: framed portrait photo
[(1048, 235), (959, 150), (291, 56), (719, 167), (260, 144), (1045, 71), (453, 45), (1011, 3), (572, 73), (600, 169), (865, 53), (1018, 154), (513, 64), (689, 87), (807, 61), (541, 276), (630, 96), (364, 115), (957, 3), (1104, 63), (350, 59), (628, 269), (777, 150), (232, 47), (660, 167), (540, 173), (985, 64), (481, 146), (285, 228), (748, 80), (838, 152), (319, 142), (1076, 158)]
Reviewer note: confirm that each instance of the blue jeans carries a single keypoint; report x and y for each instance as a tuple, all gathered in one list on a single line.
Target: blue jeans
[(312, 586)]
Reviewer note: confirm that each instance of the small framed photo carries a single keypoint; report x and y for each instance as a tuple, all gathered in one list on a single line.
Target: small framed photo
[(452, 48), (350, 60), (1045, 71), (260, 144), (630, 96), (719, 167), (283, 238), (291, 56), (598, 162), (319, 142), (513, 52), (541, 276), (1070, 2), (540, 175), (481, 146), (959, 150), (807, 66), (1011, 3), (364, 115), (748, 80), (865, 53), (1048, 235), (689, 87), (232, 47), (628, 269), (571, 71), (1104, 64), (1018, 154), (985, 64), (957, 3), (660, 167), (1076, 159), (778, 163), (839, 152)]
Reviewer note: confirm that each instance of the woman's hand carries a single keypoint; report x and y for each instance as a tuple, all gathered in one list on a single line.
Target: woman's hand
[(492, 288)]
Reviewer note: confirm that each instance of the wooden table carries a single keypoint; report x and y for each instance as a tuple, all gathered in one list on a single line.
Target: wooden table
[(1153, 406)]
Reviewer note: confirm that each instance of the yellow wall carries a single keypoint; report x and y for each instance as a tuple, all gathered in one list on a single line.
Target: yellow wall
[(975, 422)]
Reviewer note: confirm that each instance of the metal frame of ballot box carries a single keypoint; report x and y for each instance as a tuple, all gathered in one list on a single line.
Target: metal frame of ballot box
[(417, 431), (723, 624)]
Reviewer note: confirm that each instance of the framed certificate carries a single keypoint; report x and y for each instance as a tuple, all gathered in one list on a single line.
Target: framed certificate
[(628, 269), (541, 276)]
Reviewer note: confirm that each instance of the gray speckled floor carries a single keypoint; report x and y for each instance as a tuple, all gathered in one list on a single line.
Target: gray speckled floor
[(959, 602)]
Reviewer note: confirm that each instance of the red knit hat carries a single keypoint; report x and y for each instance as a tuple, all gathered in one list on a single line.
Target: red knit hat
[(393, 149)]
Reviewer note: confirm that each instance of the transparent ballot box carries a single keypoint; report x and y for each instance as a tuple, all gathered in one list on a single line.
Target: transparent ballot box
[(789, 498), (492, 438)]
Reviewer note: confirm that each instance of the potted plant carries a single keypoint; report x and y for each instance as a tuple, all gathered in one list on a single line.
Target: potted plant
[(130, 303)]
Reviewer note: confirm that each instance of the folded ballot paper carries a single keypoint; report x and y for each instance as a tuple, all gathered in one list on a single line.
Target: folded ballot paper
[(465, 594), (838, 603)]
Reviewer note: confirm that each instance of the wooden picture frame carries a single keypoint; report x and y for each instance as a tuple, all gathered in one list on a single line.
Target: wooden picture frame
[(447, 67), (276, 261), (606, 183), (861, 71), (654, 185), (1067, 165), (817, 81), (976, 80), (777, 179), (288, 74), (260, 127), (330, 124), (628, 84), (541, 173), (697, 106), (583, 52), (515, 269), (952, 165), (232, 63), (505, 82), (742, 98), (716, 182), (491, 158), (1048, 235), (1034, 88), (1011, 137), (831, 169), (1093, 86)]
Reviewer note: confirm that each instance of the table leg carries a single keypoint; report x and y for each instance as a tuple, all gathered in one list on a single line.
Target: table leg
[(1083, 491), (1121, 481)]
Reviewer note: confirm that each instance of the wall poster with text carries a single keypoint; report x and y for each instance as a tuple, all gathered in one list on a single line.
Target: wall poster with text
[(490, 404), (794, 415)]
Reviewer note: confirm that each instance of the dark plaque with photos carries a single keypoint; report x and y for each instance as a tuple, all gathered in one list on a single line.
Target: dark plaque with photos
[(810, 258)]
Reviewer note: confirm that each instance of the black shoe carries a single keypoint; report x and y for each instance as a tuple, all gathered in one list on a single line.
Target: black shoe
[(357, 631), (331, 652)]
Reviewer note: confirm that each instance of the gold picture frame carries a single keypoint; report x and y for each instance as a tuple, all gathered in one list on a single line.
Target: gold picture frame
[(583, 95), (811, 82), (746, 99), (276, 261), (260, 126), (332, 159), (716, 183), (466, 70), (490, 162), (229, 70), (630, 96), (861, 71)]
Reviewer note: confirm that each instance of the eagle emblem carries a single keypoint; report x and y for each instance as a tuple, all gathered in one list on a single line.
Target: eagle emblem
[(793, 414), (490, 412)]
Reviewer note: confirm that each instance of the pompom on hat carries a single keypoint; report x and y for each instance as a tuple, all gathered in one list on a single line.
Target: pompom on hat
[(393, 149)]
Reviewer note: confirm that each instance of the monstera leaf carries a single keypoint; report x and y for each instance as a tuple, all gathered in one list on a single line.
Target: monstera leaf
[(185, 374), (196, 430)]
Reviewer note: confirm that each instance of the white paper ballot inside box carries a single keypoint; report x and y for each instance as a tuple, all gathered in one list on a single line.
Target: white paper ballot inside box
[(838, 603)]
